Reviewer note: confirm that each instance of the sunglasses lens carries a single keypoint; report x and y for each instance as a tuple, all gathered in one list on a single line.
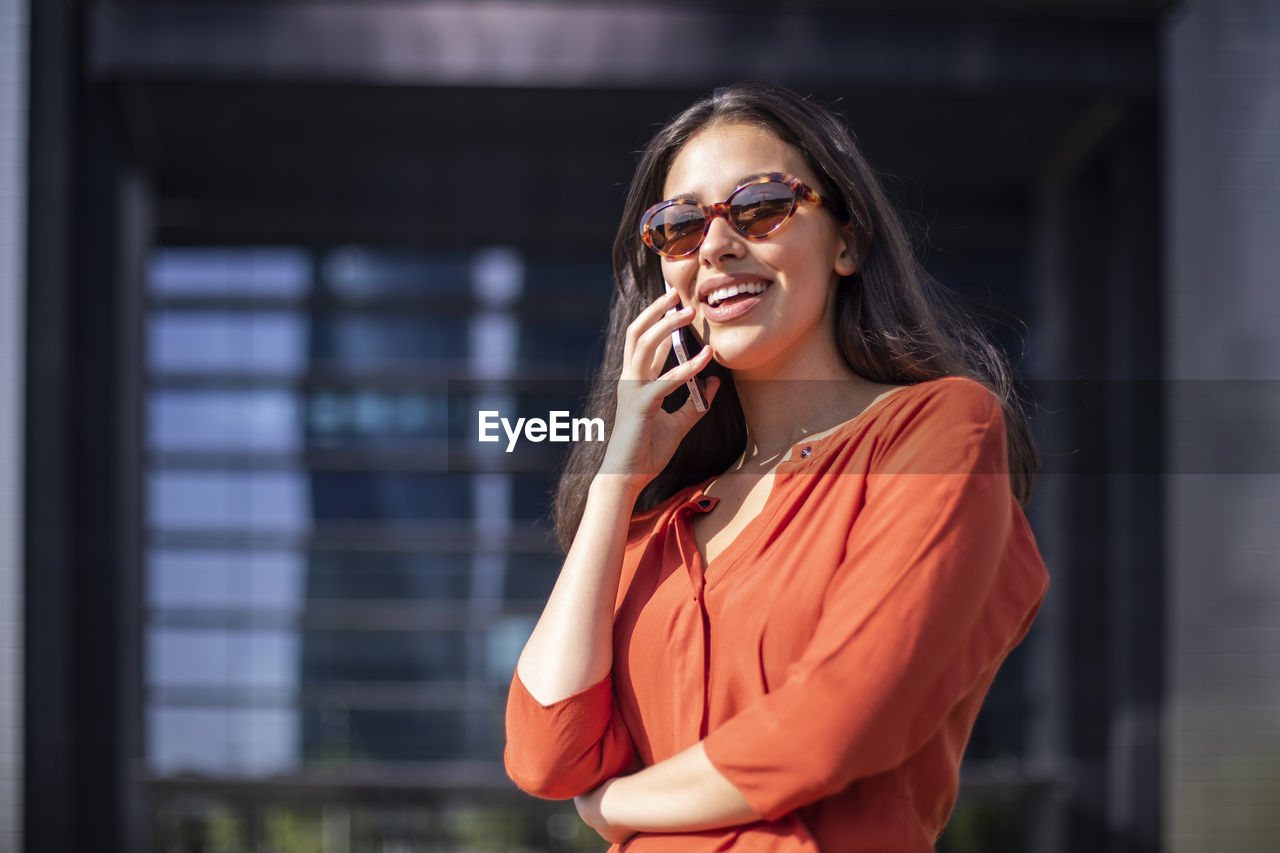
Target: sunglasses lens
[(677, 229), (761, 208)]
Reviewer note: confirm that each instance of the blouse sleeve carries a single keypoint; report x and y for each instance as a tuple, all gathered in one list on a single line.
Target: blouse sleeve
[(569, 747), (937, 584)]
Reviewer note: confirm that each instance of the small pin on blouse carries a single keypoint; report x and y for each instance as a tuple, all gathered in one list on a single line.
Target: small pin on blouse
[(804, 454)]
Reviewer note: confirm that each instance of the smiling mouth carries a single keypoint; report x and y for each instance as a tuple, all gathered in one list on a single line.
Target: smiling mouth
[(733, 291)]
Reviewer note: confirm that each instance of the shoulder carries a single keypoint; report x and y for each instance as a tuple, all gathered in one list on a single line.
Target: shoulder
[(942, 424), (951, 396), (946, 403)]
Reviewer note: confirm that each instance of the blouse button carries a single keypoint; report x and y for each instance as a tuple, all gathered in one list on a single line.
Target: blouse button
[(804, 454)]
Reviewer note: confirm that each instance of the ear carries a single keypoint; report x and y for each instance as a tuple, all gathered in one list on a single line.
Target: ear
[(848, 259)]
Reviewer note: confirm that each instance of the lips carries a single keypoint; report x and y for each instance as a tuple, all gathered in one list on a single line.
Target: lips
[(717, 289), (720, 294), (722, 302)]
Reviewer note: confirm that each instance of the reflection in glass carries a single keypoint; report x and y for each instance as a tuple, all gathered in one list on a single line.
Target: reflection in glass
[(228, 740), (340, 417), (328, 641), (336, 733), (388, 496), (221, 420), (411, 657), (237, 342), (529, 578), (223, 658), (224, 579), (577, 278), (363, 341), (393, 576), (558, 343), (222, 271), (228, 501), (503, 644), (359, 272)]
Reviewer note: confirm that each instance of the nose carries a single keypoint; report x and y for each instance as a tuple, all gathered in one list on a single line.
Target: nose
[(722, 241)]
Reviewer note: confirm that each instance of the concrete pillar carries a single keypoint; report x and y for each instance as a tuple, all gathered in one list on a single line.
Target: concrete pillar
[(1222, 501), (13, 238)]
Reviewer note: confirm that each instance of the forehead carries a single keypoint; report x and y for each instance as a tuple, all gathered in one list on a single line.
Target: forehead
[(719, 158)]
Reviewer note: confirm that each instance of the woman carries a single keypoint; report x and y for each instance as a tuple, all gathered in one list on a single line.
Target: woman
[(776, 622)]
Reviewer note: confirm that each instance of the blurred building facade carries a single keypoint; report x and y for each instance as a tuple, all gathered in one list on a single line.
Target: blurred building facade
[(272, 257)]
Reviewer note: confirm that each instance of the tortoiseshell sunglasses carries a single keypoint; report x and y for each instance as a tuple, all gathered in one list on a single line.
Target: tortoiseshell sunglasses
[(676, 228)]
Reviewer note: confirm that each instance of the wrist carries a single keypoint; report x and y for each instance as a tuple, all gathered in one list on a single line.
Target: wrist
[(620, 488), (607, 804), (591, 809)]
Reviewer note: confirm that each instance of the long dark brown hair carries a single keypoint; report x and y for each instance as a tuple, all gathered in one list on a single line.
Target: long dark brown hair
[(893, 323)]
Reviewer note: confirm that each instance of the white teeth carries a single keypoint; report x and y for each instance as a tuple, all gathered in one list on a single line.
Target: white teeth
[(721, 294)]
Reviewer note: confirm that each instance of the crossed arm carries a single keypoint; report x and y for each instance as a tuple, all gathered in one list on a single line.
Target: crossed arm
[(685, 793), (571, 649)]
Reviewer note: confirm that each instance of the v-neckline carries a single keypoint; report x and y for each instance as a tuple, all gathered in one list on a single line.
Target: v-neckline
[(741, 537), (798, 455)]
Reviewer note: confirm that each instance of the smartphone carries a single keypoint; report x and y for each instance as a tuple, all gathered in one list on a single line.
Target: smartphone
[(682, 355)]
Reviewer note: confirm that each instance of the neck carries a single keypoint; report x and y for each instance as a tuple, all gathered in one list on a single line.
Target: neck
[(786, 405), (809, 390), (780, 413)]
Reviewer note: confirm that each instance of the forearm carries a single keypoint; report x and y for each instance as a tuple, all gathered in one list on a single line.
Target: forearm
[(571, 646), (684, 793)]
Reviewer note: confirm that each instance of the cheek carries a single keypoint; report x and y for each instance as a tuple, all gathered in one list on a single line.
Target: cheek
[(681, 275), (808, 275)]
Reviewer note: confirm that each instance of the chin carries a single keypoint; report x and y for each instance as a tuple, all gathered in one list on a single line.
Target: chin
[(740, 360)]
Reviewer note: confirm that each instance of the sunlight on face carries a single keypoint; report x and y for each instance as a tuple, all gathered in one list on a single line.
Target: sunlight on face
[(779, 321)]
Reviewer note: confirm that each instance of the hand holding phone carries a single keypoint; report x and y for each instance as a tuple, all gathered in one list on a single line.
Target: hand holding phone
[(682, 355)]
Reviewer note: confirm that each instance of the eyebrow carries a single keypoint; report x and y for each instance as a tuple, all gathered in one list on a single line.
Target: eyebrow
[(740, 183)]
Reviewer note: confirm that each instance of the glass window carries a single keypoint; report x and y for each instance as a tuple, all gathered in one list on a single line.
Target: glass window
[(228, 501), (227, 342), (332, 574), (258, 272), (338, 734), (389, 496), (362, 272), (224, 579), (223, 658), (221, 420), (504, 642), (405, 577), (338, 417), (367, 341), (586, 281), (529, 577), (560, 343), (221, 740), (399, 656)]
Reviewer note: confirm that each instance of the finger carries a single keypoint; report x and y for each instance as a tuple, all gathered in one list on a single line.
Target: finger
[(681, 373), (660, 354), (642, 369), (652, 313), (644, 320), (654, 344)]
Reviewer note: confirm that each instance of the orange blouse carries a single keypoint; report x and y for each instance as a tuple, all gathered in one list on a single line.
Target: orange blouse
[(834, 657)]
